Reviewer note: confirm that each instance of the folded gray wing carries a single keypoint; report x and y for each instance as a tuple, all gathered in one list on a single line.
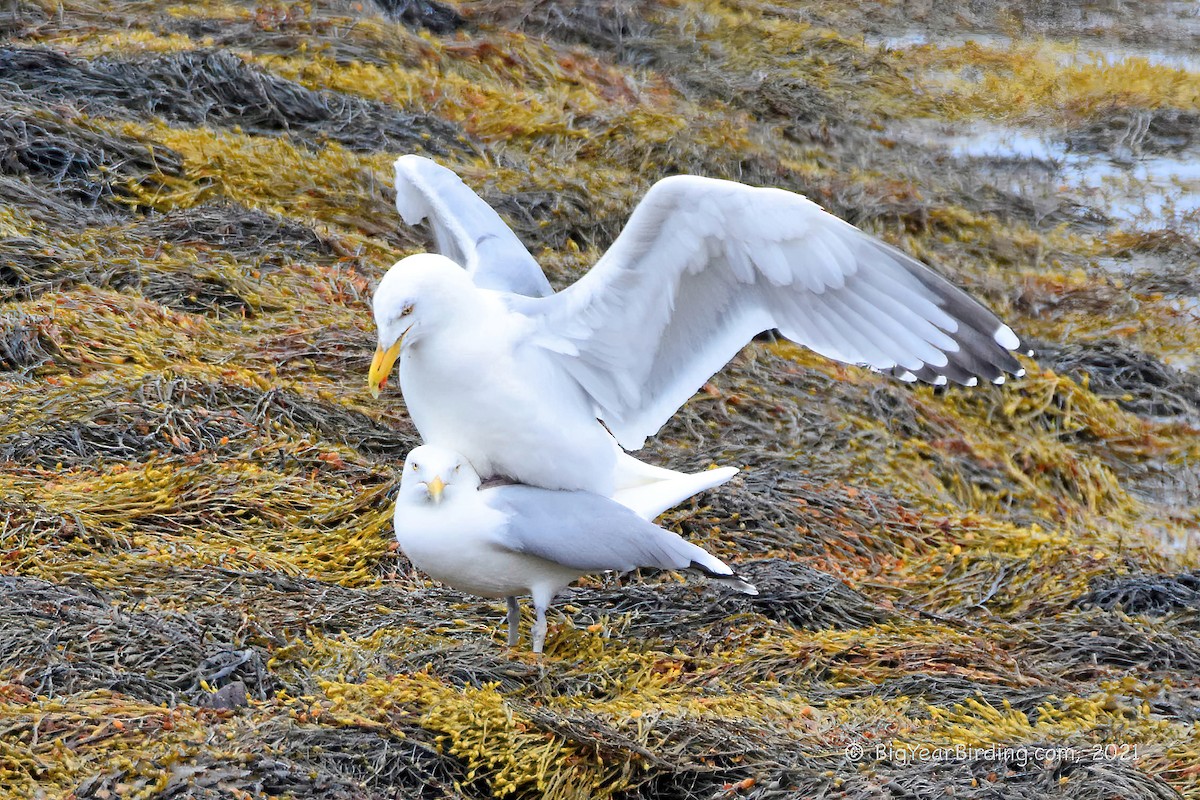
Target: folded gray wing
[(590, 533), (467, 230)]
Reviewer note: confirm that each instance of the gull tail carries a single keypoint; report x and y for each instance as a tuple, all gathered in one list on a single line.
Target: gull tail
[(648, 490), (725, 575), (668, 550), (738, 584), (630, 472)]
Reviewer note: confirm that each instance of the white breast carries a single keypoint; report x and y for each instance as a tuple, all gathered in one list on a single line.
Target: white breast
[(454, 543), (469, 388)]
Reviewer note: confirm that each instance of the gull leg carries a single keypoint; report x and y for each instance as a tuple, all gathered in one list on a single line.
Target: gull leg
[(514, 621), (542, 597), (539, 629)]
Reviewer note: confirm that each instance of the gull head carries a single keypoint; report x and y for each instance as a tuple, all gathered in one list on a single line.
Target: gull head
[(432, 474), (418, 292)]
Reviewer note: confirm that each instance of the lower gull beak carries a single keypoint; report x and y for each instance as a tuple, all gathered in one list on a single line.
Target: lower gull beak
[(435, 487), (381, 367)]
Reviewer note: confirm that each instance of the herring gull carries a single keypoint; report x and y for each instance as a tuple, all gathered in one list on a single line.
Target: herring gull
[(468, 231), (510, 541), (535, 386)]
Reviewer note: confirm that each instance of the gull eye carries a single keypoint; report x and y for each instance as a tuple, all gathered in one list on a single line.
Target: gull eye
[(457, 467), (415, 466), (406, 310)]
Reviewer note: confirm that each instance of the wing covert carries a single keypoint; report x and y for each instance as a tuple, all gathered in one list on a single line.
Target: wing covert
[(587, 532)]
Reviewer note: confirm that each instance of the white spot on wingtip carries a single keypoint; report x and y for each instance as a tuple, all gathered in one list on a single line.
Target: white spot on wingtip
[(972, 382), (940, 380), (1005, 337), (998, 381), (907, 376), (1020, 373), (1029, 353)]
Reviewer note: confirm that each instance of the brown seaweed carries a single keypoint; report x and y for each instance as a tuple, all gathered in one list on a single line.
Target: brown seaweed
[(199, 593)]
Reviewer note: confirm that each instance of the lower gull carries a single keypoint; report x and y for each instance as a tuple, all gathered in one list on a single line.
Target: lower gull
[(512, 540)]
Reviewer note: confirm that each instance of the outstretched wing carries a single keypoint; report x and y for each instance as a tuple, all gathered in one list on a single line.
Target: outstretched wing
[(466, 228), (705, 264)]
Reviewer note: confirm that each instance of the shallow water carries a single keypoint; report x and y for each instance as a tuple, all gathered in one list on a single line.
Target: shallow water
[(1189, 307), (1135, 191), (1175, 488), (1140, 193), (1067, 52)]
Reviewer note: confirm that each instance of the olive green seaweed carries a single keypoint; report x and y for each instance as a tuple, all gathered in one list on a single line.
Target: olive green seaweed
[(200, 596)]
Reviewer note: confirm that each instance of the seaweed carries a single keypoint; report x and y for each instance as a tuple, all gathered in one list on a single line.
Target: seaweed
[(790, 594), (617, 27), (231, 227), (199, 594), (1136, 381), (19, 18), (70, 640), (1131, 133), (44, 205), (173, 414), (1149, 594), (428, 14), (217, 88), (24, 343), (80, 162), (1114, 643)]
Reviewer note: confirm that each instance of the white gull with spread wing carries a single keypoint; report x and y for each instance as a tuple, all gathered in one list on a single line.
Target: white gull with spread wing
[(529, 384)]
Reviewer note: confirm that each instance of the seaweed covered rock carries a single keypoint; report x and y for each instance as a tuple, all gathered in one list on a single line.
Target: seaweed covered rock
[(981, 593)]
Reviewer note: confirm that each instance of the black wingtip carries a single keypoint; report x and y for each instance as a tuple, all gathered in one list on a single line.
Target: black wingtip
[(985, 343), (730, 579)]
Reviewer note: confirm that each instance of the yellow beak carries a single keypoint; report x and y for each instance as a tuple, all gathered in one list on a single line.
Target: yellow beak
[(381, 367), (435, 487)]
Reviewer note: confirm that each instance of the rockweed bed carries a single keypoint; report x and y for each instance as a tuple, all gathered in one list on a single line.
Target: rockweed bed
[(199, 596)]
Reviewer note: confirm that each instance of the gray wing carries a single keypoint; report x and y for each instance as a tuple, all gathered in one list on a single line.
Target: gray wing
[(590, 533), (466, 228)]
